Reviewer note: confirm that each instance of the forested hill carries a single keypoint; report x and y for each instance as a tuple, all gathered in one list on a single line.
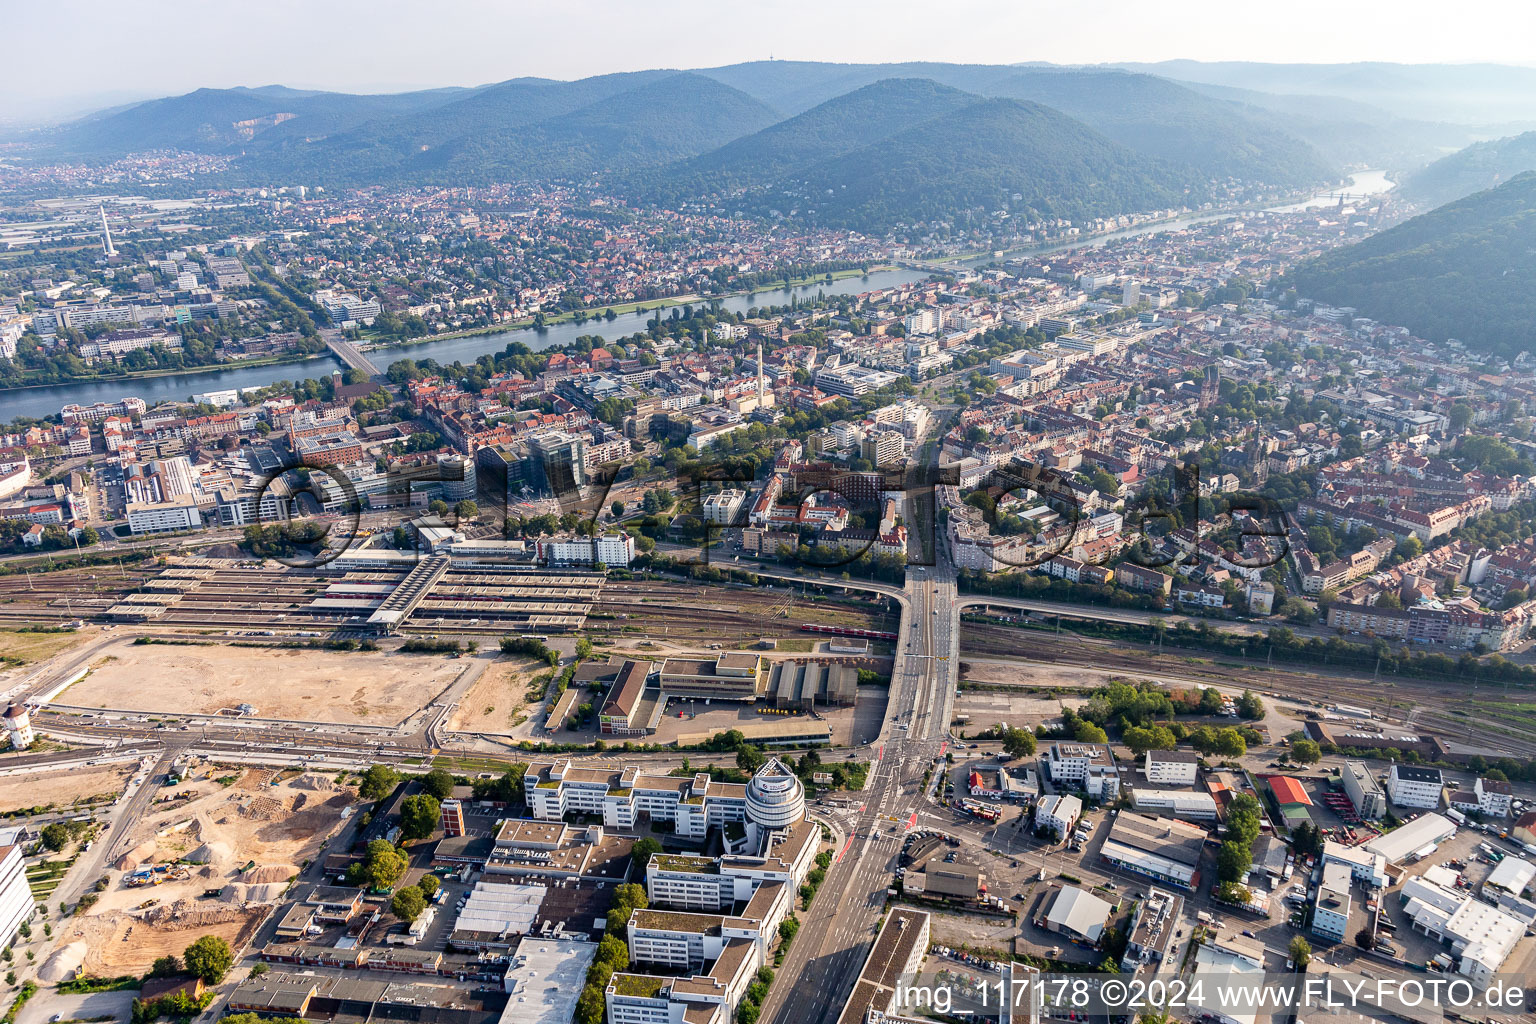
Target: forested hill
[(275, 134), (989, 160), (767, 158), (1479, 166), (1466, 270)]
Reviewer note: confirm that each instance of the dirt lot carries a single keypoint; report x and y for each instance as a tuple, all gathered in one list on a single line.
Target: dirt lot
[(62, 787), (316, 686), (1031, 674), (1025, 710), (497, 702), (213, 824), (124, 943)]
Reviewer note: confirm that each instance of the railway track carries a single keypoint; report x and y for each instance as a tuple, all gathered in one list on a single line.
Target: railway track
[(1447, 710)]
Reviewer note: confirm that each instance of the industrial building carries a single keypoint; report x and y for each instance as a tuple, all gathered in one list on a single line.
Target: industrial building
[(1413, 841), (733, 675), (1161, 848), (805, 684), (1079, 916)]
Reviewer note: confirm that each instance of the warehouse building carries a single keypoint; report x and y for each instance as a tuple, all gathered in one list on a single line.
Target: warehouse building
[(1160, 848)]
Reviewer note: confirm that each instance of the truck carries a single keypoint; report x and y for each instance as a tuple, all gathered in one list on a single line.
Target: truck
[(1205, 918)]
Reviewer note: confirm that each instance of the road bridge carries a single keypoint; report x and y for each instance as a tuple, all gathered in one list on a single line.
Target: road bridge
[(348, 353)]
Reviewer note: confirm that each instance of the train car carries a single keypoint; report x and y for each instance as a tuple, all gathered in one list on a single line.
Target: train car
[(871, 634)]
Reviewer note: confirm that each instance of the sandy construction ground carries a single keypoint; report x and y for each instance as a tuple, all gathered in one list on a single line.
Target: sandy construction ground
[(206, 830), (498, 699), (305, 685), (61, 788), (1025, 674), (130, 943)]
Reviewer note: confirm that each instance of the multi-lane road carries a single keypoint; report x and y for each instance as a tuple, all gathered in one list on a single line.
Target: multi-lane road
[(826, 956)]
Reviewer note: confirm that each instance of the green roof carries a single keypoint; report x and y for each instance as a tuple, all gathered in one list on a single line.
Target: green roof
[(674, 862), (637, 985)]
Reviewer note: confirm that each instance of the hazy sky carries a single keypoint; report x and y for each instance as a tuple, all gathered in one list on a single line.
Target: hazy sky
[(64, 53)]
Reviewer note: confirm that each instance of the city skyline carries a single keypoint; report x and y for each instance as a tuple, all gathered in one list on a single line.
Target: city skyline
[(300, 46)]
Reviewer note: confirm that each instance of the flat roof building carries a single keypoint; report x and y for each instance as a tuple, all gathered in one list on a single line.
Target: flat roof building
[(1416, 839), (545, 978), (1162, 848)]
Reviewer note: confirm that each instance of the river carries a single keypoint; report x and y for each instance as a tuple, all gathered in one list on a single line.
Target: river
[(48, 399), (42, 401)]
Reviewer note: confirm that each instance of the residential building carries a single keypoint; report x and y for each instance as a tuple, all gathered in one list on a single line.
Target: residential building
[(614, 551), (722, 507)]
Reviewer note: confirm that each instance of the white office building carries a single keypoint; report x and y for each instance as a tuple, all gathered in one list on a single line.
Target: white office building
[(16, 903), (1330, 919), (1058, 813), (1364, 791), (1412, 785), (723, 507), (1171, 767), (1494, 798), (1088, 767), (614, 551)]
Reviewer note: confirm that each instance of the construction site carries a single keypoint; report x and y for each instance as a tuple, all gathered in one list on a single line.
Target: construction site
[(374, 688), (212, 855)]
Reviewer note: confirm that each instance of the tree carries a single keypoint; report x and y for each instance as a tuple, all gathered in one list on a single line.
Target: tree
[(1233, 861), (438, 782), (643, 851), (1301, 952), (466, 510), (1294, 609), (55, 836), (749, 759), (627, 899), (165, 967), (408, 903), (1016, 742), (1249, 706), (1305, 752), (381, 866), (1364, 938), (1307, 840), (1210, 701), (209, 958), (583, 649), (419, 816), (617, 508), (428, 884), (378, 782), (1141, 740)]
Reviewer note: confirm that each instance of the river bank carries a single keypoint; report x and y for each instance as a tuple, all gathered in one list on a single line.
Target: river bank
[(596, 315)]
